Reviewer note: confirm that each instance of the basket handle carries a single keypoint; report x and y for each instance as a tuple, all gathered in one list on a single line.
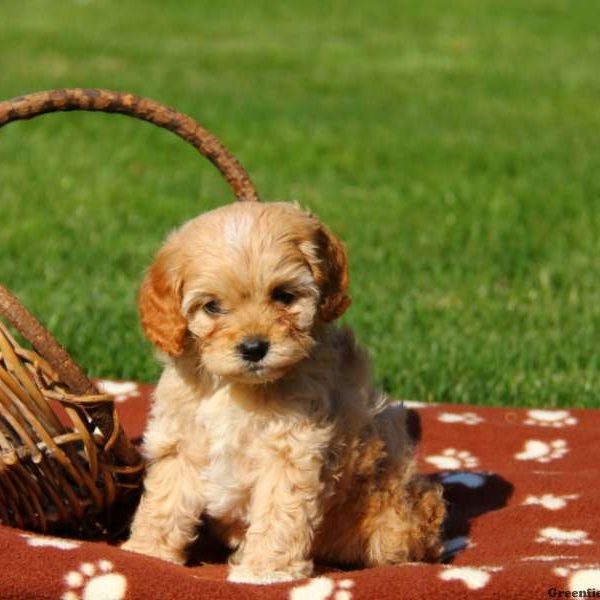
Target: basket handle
[(32, 105), (39, 103)]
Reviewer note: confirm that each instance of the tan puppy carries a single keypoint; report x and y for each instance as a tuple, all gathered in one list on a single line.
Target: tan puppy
[(264, 420)]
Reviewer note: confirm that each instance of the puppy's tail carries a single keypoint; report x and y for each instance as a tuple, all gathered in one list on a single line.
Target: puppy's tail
[(32, 105)]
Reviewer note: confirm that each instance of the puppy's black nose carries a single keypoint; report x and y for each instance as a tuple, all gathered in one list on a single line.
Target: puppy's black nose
[(253, 349)]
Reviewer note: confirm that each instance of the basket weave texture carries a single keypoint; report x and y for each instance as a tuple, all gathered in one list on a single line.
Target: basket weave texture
[(66, 464), (56, 466)]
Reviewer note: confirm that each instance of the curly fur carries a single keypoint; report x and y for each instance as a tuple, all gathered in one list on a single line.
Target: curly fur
[(294, 457)]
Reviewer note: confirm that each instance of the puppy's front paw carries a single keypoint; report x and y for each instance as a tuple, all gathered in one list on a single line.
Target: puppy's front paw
[(155, 550), (246, 574)]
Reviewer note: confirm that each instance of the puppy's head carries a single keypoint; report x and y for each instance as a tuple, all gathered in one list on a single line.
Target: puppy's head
[(243, 287)]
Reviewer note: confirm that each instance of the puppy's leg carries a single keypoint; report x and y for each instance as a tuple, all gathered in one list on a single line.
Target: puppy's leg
[(168, 515), (409, 528), (284, 513)]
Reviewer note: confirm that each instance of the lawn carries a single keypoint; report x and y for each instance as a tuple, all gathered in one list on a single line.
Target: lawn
[(454, 147)]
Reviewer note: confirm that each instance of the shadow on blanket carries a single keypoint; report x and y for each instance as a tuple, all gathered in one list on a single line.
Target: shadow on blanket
[(468, 494)]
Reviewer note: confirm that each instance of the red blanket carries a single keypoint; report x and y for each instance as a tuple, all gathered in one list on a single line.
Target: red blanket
[(524, 522)]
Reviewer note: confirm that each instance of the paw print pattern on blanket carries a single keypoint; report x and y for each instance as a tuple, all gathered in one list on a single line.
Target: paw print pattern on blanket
[(557, 536), (415, 404), (550, 501), (121, 390), (467, 418), (323, 588), (545, 512), (475, 578), (547, 558), (95, 582), (543, 452), (550, 418), (45, 541), (580, 576), (451, 459)]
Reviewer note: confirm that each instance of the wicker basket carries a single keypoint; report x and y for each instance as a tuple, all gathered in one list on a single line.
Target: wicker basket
[(66, 465)]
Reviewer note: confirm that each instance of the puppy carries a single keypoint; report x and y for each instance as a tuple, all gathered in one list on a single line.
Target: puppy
[(264, 422)]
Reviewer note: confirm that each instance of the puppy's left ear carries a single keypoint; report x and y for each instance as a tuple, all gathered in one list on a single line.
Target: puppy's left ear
[(159, 303), (330, 269)]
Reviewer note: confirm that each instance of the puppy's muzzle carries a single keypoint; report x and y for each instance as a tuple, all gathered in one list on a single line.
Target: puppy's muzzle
[(253, 349)]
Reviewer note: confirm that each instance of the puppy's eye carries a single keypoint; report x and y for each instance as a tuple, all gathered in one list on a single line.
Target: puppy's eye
[(283, 296), (212, 308)]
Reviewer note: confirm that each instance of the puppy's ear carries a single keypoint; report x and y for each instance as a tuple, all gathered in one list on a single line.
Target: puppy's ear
[(159, 303), (330, 269)]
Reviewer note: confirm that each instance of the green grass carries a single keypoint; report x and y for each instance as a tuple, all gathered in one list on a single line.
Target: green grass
[(453, 146)]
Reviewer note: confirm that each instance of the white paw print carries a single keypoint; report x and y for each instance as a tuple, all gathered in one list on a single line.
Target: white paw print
[(547, 558), (95, 582), (467, 418), (550, 418), (451, 458), (121, 390), (550, 501), (580, 576), (416, 404), (323, 588), (475, 578), (46, 541), (543, 452), (557, 536)]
